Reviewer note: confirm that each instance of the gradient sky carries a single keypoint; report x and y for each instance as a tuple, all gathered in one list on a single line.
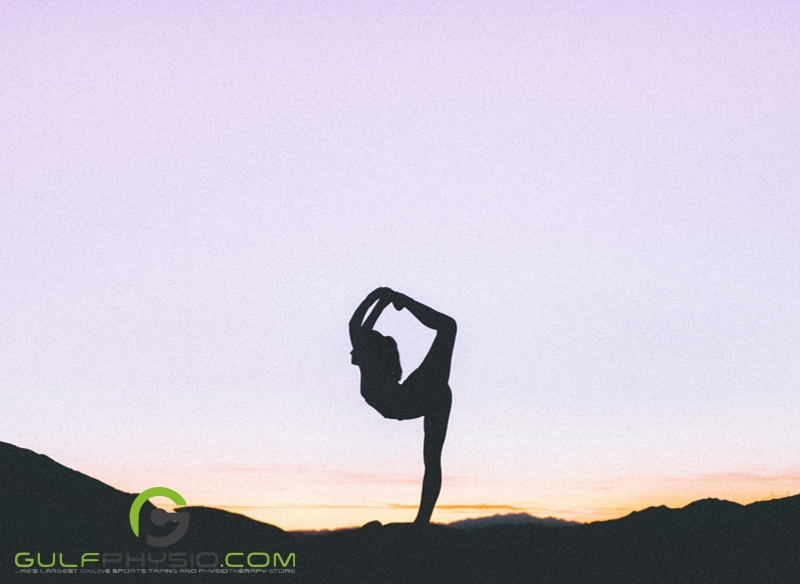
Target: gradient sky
[(194, 197)]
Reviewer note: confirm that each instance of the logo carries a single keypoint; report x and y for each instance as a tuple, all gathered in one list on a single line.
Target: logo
[(160, 517), (105, 562)]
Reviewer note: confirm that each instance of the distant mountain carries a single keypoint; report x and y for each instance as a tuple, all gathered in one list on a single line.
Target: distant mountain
[(711, 514), (48, 508), (510, 519)]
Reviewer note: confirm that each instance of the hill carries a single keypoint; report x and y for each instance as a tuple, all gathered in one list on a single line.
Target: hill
[(47, 508)]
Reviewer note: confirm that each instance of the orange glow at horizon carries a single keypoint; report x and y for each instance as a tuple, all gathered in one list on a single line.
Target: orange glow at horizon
[(394, 499)]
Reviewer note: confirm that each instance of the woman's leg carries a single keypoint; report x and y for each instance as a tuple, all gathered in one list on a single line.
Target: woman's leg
[(435, 432), (434, 370), (429, 387)]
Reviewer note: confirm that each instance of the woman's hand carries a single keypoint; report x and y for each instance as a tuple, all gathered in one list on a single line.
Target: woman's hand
[(382, 292), (376, 294)]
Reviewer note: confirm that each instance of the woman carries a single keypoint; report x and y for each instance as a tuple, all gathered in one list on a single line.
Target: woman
[(424, 393)]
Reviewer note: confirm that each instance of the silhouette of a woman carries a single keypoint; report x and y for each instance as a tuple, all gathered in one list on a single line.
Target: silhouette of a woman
[(424, 393)]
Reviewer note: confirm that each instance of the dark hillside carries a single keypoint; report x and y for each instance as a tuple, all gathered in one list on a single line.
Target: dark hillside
[(46, 507)]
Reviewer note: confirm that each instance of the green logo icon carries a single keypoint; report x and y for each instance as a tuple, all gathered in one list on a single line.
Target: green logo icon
[(160, 517)]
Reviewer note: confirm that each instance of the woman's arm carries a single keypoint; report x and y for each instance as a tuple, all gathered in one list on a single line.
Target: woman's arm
[(356, 326), (383, 302)]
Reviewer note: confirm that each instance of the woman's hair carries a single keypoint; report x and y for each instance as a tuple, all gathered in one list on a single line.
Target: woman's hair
[(382, 353)]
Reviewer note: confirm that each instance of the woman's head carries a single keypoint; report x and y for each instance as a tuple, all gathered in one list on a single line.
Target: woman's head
[(381, 352)]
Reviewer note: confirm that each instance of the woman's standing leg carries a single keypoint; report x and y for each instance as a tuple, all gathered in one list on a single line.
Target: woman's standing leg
[(435, 432)]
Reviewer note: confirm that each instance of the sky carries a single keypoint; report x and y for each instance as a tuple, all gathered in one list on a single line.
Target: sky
[(195, 196)]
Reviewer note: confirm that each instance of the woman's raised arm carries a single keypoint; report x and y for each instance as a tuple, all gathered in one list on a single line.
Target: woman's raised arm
[(383, 302), (357, 322)]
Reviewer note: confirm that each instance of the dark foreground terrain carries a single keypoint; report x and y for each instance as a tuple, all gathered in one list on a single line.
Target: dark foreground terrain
[(61, 514)]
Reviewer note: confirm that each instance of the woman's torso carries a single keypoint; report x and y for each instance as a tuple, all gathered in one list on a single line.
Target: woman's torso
[(417, 396)]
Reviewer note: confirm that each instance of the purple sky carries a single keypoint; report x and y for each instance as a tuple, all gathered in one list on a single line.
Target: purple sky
[(195, 196)]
